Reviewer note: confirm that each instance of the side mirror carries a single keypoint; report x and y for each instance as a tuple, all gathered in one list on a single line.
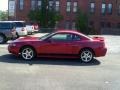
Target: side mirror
[(49, 40)]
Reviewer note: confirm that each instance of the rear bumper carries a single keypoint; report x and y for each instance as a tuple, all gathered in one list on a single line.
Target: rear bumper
[(101, 52), (22, 33), (30, 31), (36, 30)]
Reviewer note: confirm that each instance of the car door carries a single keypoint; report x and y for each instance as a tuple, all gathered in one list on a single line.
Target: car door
[(76, 44), (58, 44)]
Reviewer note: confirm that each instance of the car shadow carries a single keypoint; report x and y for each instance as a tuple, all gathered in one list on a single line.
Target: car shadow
[(9, 58)]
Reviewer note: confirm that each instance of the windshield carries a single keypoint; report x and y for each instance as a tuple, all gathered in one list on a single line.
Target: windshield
[(45, 36), (20, 24), (6, 25)]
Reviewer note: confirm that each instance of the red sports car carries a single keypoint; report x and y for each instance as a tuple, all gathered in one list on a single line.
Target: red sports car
[(63, 43)]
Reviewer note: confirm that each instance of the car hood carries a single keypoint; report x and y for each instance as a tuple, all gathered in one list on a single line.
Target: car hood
[(28, 38)]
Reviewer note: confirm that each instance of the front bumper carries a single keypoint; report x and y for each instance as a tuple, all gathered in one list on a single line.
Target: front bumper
[(14, 50)]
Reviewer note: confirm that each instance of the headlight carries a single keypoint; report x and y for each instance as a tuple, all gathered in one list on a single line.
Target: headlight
[(12, 44)]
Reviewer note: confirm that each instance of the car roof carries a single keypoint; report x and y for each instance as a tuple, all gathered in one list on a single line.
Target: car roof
[(6, 22), (68, 31), (73, 32), (11, 21), (18, 21)]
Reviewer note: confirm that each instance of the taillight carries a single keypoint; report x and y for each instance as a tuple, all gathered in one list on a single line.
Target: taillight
[(23, 29), (35, 27), (32, 27)]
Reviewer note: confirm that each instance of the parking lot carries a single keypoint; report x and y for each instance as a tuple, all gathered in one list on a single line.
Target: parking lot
[(61, 74)]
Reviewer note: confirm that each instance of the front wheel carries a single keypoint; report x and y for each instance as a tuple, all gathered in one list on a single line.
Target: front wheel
[(28, 53), (2, 39), (86, 55)]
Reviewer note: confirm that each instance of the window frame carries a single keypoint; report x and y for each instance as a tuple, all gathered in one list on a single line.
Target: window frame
[(75, 7), (39, 4), (57, 6), (110, 9), (92, 10), (33, 7), (50, 4), (67, 24), (68, 6), (21, 4), (103, 12), (118, 11)]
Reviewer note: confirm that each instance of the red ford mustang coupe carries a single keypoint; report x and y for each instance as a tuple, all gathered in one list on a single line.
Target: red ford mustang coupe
[(63, 43)]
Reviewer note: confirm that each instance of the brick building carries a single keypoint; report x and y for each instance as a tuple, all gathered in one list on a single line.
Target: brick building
[(102, 13)]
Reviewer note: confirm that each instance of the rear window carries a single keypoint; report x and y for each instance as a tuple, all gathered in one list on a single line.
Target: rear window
[(20, 24), (6, 25)]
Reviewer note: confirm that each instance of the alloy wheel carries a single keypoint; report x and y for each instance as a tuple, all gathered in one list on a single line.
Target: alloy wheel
[(86, 56), (27, 53)]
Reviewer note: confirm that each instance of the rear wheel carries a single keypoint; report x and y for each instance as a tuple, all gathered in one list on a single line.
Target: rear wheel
[(2, 39), (28, 53), (86, 55)]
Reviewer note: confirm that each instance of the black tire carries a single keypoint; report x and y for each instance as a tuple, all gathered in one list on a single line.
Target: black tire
[(2, 39), (17, 35), (30, 56), (86, 55), (31, 33)]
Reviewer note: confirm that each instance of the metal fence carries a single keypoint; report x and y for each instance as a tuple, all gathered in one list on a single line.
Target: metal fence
[(46, 30), (110, 31)]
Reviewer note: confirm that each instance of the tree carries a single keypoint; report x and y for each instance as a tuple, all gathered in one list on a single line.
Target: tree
[(82, 22), (45, 16), (3, 15)]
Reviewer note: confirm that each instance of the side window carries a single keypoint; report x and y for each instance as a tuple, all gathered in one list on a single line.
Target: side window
[(76, 37), (5, 25), (20, 24), (62, 37)]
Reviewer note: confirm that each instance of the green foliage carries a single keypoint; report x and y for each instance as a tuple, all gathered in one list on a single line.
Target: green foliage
[(82, 22), (3, 15), (53, 17), (58, 17), (44, 16)]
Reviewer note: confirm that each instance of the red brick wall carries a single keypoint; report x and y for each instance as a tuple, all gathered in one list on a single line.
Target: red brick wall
[(22, 14), (84, 6)]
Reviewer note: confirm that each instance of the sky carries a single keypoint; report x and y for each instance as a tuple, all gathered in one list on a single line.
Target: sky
[(3, 5)]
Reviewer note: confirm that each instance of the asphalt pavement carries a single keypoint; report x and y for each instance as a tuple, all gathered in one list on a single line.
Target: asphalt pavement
[(61, 74)]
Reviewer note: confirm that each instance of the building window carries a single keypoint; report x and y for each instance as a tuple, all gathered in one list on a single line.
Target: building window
[(108, 25), (91, 24), (50, 5), (102, 24), (68, 6), (103, 8), (57, 6), (39, 3), (21, 6), (92, 7), (118, 25), (73, 25), (118, 9), (75, 6), (67, 25), (109, 8), (33, 4)]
